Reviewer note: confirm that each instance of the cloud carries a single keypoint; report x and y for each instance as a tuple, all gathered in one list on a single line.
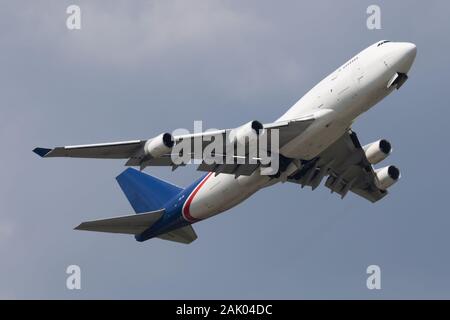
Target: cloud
[(205, 41), (6, 231), (129, 35)]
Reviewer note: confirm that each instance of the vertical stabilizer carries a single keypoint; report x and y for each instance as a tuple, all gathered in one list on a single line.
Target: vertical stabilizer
[(144, 192)]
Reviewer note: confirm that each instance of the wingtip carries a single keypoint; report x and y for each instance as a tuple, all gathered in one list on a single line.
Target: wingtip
[(42, 152), (79, 227)]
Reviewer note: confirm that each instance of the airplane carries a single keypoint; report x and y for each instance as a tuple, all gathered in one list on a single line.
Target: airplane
[(315, 141)]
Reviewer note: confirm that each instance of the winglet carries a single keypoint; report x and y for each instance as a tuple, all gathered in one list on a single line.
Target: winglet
[(42, 152)]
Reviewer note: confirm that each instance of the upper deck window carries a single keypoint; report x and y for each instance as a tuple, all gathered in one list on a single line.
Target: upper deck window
[(382, 42)]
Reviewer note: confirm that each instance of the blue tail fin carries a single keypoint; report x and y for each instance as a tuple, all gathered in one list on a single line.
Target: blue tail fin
[(144, 192)]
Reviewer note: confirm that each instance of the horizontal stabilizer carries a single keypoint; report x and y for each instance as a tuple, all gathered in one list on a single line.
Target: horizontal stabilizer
[(183, 235), (132, 224)]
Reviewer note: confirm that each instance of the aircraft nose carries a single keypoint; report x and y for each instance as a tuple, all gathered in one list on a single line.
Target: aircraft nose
[(410, 51), (405, 55)]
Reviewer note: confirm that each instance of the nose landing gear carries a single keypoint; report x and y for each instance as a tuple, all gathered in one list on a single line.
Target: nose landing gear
[(397, 80)]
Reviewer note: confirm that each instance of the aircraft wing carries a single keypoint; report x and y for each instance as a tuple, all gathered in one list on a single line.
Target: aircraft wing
[(111, 150), (134, 150), (347, 168)]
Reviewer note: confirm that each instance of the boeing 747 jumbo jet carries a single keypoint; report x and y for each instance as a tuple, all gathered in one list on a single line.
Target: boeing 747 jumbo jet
[(311, 141)]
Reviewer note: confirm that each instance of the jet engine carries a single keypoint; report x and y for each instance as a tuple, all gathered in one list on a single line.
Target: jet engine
[(159, 145), (247, 133), (377, 151), (387, 176)]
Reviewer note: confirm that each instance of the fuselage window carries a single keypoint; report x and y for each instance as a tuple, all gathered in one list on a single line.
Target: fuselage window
[(350, 62)]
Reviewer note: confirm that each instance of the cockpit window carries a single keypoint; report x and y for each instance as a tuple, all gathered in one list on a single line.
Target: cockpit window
[(382, 42)]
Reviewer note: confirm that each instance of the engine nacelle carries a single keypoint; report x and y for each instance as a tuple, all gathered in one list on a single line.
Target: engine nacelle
[(387, 176), (247, 133), (377, 151), (159, 145)]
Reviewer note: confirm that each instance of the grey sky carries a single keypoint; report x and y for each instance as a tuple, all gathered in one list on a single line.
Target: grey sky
[(138, 69)]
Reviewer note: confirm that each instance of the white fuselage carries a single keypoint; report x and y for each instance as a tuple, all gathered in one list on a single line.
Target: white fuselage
[(335, 102)]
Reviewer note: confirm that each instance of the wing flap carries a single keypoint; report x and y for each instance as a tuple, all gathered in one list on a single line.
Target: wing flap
[(358, 183)]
